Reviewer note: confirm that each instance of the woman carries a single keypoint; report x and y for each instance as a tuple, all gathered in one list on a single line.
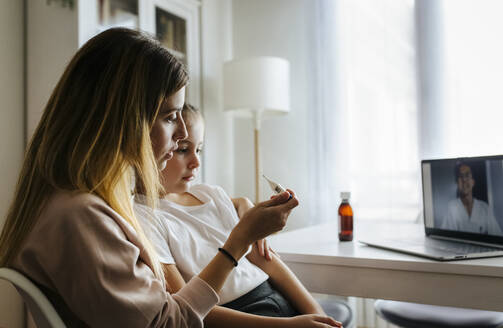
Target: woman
[(113, 118)]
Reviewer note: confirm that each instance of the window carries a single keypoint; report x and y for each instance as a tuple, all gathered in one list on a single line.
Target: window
[(474, 77), (370, 131)]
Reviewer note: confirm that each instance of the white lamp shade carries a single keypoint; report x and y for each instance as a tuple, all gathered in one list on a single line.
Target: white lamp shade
[(259, 84)]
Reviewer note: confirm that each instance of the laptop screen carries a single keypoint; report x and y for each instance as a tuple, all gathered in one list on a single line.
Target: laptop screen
[(463, 198)]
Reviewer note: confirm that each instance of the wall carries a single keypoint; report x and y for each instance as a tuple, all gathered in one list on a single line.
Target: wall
[(49, 27), (216, 47), (11, 133), (279, 28)]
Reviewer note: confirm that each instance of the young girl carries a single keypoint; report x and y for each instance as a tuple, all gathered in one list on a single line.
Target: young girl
[(113, 118), (188, 226)]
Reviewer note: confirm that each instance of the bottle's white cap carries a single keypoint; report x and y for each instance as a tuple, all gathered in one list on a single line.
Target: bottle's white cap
[(345, 195)]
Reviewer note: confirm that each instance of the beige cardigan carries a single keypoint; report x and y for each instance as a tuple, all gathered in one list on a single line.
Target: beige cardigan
[(87, 259)]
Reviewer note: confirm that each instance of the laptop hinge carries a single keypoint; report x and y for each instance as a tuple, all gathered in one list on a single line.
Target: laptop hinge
[(466, 241)]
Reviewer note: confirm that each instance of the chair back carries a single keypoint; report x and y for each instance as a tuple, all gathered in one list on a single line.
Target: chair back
[(412, 315), (42, 311)]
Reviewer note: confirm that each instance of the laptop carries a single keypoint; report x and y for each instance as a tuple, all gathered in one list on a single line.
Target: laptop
[(463, 211)]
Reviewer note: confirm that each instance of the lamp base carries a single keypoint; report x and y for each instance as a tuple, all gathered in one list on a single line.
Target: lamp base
[(257, 164)]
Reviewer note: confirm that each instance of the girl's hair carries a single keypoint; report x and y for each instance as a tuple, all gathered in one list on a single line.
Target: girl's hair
[(94, 134), (190, 112)]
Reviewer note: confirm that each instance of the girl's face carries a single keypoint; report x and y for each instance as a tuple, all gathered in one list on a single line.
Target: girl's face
[(168, 128), (183, 167)]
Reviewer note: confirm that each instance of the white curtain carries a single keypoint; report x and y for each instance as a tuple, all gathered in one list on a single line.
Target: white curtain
[(474, 77), (462, 73), (365, 119)]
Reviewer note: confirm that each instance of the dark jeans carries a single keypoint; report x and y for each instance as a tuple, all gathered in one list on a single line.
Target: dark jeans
[(263, 300)]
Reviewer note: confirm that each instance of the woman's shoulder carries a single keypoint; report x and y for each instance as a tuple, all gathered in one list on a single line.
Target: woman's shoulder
[(73, 219), (61, 202), (80, 210)]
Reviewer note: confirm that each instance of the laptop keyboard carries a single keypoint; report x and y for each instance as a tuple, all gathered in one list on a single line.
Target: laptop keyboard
[(458, 248)]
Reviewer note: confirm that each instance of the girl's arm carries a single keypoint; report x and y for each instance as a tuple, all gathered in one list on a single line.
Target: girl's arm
[(242, 205), (223, 317), (219, 316), (286, 282), (281, 276)]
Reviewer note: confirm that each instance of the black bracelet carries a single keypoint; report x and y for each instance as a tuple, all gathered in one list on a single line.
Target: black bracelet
[(220, 249)]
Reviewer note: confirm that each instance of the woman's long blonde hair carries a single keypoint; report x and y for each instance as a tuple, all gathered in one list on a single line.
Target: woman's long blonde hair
[(94, 134)]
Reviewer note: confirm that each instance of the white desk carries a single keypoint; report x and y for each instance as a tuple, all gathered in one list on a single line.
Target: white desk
[(328, 266)]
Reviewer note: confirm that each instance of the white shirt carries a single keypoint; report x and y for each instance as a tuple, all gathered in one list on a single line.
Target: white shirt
[(189, 236), (481, 220)]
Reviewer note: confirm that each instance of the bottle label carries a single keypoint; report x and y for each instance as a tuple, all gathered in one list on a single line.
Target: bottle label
[(345, 223)]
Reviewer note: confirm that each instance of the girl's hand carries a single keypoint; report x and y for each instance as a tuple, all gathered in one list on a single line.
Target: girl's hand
[(313, 320), (263, 249)]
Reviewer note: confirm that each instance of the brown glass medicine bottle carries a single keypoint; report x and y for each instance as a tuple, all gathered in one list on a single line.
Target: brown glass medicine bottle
[(345, 218)]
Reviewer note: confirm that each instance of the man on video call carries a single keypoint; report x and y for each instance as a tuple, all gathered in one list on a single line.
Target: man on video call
[(466, 213)]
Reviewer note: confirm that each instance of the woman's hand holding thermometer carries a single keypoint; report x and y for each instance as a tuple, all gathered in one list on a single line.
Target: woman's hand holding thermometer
[(276, 187), (261, 245)]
